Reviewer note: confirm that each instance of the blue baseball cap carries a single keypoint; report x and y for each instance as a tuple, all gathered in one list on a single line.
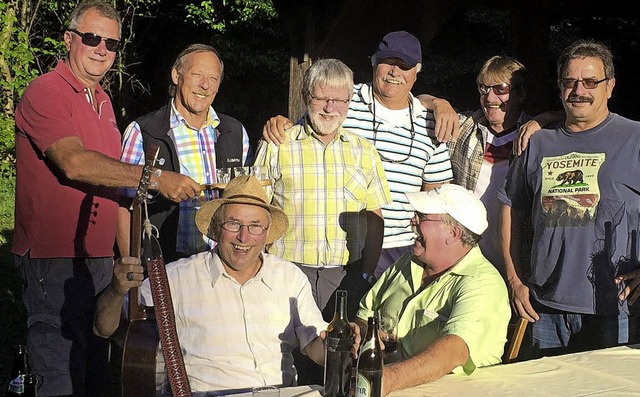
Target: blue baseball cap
[(401, 45)]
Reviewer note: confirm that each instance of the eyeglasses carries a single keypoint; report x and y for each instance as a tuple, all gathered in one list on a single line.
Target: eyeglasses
[(423, 217), (323, 101), (498, 89), (93, 40), (234, 227), (586, 83)]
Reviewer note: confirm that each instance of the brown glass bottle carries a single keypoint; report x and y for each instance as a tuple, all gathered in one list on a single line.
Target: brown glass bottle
[(30, 385), (18, 371), (337, 361), (370, 363)]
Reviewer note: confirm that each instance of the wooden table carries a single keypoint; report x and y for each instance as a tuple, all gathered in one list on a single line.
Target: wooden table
[(607, 372)]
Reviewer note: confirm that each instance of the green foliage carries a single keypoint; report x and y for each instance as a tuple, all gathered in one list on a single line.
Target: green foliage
[(219, 15)]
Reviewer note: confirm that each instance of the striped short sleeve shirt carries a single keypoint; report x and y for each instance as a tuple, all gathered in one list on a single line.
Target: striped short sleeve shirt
[(410, 157)]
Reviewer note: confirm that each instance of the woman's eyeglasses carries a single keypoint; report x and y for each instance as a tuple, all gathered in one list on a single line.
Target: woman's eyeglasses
[(93, 40), (586, 83), (498, 89)]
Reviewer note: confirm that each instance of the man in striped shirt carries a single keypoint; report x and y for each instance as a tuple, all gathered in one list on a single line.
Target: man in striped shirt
[(385, 112)]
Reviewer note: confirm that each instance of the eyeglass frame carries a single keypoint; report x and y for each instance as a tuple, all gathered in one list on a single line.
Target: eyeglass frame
[(89, 38), (423, 217), (589, 83), (325, 101), (484, 89), (249, 226)]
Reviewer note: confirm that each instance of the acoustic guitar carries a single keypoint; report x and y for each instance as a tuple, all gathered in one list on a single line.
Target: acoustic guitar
[(139, 357)]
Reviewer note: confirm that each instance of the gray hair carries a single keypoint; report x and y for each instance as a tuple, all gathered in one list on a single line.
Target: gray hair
[(587, 49), (327, 72), (101, 7), (177, 64), (468, 237)]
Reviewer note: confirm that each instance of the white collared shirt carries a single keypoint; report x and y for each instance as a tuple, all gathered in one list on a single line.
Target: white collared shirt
[(237, 336)]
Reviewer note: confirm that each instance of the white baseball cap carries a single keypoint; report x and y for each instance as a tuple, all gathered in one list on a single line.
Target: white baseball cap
[(461, 204)]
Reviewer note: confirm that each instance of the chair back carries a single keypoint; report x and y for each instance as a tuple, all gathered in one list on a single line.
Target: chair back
[(515, 333)]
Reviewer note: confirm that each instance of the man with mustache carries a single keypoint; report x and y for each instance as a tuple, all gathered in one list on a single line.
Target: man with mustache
[(580, 290), (453, 304), (194, 140), (331, 184), (385, 112)]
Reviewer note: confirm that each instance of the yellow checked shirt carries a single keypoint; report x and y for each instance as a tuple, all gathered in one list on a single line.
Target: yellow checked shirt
[(325, 191)]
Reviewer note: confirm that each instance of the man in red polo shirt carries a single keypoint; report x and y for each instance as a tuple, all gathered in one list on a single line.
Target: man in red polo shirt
[(68, 146)]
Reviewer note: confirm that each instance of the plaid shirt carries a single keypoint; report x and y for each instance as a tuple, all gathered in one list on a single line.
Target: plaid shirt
[(467, 152), (325, 191), (196, 155)]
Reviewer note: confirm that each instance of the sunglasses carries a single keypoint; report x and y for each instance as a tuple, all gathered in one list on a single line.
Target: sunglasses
[(498, 89), (93, 40), (586, 83)]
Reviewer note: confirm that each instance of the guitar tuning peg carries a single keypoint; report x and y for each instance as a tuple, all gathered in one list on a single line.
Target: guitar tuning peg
[(161, 161)]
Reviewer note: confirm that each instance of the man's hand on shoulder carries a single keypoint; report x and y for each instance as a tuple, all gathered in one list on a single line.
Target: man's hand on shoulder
[(447, 127), (526, 130), (273, 129)]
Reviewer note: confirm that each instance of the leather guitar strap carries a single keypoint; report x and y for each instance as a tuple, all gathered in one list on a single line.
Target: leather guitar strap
[(165, 316)]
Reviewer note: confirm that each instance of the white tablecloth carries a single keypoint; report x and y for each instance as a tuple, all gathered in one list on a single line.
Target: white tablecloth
[(606, 372), (298, 391)]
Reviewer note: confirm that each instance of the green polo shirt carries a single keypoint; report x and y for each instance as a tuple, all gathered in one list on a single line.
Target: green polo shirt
[(469, 300)]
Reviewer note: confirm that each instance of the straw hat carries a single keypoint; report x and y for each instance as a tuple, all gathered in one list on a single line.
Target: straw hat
[(244, 189)]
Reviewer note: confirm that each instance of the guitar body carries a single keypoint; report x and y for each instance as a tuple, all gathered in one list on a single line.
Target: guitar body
[(139, 357)]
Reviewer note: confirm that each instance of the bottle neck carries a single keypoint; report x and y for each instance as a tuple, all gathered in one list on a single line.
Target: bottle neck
[(372, 328), (341, 307)]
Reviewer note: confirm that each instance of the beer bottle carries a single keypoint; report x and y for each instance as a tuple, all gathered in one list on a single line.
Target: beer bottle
[(370, 363), (30, 385), (18, 371), (337, 359)]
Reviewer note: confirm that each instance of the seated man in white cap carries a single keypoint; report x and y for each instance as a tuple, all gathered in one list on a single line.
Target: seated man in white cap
[(239, 311), (453, 304)]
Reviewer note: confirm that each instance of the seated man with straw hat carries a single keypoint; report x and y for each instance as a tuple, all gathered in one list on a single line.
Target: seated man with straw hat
[(239, 311)]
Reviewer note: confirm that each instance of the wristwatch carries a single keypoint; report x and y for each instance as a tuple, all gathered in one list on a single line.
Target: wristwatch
[(371, 279)]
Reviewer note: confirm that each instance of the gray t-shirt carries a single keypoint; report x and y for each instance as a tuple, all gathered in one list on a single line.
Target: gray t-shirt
[(583, 191)]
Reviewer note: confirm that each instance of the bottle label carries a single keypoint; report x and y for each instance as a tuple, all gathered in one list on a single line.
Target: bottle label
[(17, 385), (363, 386), (339, 344), (369, 383)]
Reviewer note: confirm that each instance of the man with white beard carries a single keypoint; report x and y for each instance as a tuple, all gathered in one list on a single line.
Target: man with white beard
[(331, 184), (385, 112)]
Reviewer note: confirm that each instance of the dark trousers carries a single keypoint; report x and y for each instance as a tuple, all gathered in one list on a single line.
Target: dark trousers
[(60, 298)]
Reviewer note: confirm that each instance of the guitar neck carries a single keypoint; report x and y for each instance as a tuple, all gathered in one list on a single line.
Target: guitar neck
[(136, 310)]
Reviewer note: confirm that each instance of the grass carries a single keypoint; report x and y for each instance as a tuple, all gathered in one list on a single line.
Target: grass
[(13, 320)]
